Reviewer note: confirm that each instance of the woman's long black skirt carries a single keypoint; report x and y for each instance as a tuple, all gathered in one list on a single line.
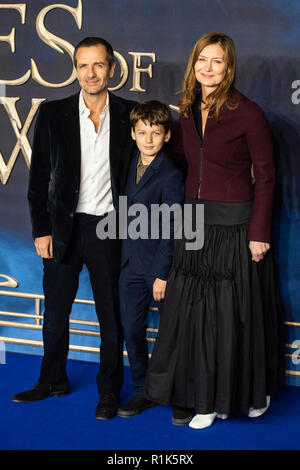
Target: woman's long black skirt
[(220, 345)]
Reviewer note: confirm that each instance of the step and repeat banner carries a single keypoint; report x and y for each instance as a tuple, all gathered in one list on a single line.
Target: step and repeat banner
[(152, 42)]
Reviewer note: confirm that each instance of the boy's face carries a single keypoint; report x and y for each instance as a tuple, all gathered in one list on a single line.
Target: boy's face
[(149, 139)]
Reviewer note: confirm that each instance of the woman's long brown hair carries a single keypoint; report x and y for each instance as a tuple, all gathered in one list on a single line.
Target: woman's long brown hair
[(223, 92)]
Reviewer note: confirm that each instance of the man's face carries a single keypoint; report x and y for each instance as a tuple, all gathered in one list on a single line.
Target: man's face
[(93, 71)]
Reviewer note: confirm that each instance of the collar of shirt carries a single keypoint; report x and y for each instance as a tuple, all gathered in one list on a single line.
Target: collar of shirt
[(85, 111), (140, 164)]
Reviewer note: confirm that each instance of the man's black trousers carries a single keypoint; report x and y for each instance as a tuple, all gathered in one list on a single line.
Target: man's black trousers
[(102, 259)]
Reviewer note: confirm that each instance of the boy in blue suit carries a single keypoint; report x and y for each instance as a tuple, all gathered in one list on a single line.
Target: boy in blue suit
[(153, 179)]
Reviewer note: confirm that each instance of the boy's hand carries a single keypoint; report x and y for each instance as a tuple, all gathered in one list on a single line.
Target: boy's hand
[(159, 288)]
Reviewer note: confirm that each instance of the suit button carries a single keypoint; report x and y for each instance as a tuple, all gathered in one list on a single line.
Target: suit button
[(71, 215)]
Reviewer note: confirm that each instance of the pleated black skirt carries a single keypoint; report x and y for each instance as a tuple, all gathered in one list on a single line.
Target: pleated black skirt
[(220, 345)]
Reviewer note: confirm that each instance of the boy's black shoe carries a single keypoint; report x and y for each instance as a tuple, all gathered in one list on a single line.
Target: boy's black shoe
[(107, 407), (181, 416), (41, 391), (134, 406)]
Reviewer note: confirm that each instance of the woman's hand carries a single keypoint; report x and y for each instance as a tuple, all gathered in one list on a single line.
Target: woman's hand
[(159, 287), (258, 250)]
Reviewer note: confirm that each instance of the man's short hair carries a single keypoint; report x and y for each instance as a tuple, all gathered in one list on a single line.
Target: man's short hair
[(94, 41), (153, 112)]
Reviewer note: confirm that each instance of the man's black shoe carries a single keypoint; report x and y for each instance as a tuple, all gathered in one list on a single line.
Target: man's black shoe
[(181, 416), (107, 407), (41, 391), (135, 406)]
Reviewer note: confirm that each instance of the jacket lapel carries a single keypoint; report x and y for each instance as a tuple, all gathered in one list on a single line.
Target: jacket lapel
[(118, 131), (153, 167), (70, 116), (131, 180)]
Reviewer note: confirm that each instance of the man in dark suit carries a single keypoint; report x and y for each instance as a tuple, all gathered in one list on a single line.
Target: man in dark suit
[(80, 157), (157, 186)]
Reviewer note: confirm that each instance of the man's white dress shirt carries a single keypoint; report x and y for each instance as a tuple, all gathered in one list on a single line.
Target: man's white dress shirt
[(95, 194)]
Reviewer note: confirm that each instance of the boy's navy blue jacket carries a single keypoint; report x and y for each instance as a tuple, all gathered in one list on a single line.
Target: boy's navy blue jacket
[(162, 183)]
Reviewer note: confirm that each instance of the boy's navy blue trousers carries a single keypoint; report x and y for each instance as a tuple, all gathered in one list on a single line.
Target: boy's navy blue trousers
[(135, 297)]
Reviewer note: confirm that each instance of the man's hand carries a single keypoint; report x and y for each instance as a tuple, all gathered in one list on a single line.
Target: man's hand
[(258, 250), (159, 288), (44, 246)]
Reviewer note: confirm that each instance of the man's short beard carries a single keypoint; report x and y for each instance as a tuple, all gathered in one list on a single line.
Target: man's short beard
[(96, 92)]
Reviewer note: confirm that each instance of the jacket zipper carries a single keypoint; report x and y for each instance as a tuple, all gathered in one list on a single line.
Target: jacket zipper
[(201, 138), (200, 175)]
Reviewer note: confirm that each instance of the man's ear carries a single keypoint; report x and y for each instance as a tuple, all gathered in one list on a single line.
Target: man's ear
[(112, 70), (132, 133)]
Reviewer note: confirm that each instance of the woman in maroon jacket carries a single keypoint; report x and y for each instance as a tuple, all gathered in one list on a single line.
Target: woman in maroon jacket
[(220, 341)]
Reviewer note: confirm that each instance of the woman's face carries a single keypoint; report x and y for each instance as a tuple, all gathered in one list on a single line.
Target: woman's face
[(210, 67)]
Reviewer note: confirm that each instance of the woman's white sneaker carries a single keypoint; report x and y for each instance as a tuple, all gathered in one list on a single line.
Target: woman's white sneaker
[(255, 413), (202, 421)]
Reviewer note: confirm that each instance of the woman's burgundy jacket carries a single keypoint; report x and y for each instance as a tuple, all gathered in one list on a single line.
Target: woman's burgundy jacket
[(219, 167)]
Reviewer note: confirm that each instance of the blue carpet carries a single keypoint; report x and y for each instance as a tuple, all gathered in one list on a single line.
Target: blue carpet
[(67, 422)]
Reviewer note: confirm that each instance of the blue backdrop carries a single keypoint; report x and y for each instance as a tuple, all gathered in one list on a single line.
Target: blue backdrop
[(266, 35)]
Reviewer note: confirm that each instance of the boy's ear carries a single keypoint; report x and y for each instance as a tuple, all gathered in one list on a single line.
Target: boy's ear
[(132, 133), (167, 136)]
